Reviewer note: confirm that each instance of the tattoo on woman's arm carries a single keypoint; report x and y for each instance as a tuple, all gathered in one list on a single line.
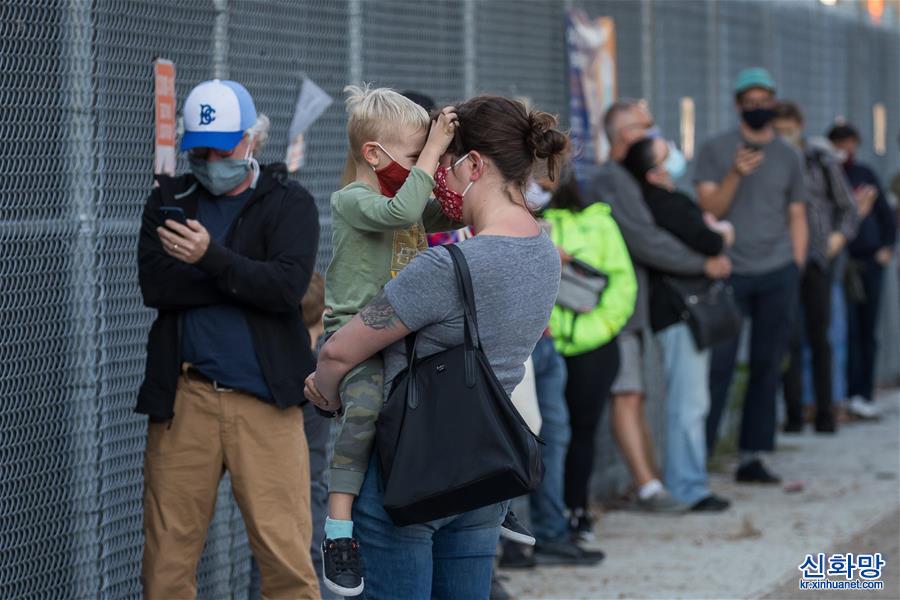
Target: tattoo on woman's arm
[(379, 314)]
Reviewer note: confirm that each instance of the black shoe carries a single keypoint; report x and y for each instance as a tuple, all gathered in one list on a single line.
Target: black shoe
[(516, 556), (825, 424), (341, 566), (793, 427), (581, 524), (755, 472), (566, 552), (711, 503), (511, 529)]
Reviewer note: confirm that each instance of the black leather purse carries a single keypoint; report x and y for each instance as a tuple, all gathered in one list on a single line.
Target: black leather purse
[(448, 437), (708, 307)]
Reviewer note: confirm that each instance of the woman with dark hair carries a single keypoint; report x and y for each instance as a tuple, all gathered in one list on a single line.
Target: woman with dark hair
[(586, 338), (481, 184), (686, 367)]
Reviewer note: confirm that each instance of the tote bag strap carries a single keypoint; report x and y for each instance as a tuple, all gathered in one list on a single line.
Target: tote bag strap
[(467, 294), (470, 324)]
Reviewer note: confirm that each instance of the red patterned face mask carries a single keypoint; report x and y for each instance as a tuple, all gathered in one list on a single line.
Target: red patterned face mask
[(392, 177), (450, 200)]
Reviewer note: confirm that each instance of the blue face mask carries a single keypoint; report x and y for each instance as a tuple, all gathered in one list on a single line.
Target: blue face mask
[(676, 163), (220, 176)]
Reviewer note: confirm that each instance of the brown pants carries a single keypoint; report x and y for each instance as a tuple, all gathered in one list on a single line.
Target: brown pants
[(264, 449)]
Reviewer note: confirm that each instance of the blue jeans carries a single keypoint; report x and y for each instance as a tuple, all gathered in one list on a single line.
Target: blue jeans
[(687, 404), (548, 516), (769, 301), (450, 558)]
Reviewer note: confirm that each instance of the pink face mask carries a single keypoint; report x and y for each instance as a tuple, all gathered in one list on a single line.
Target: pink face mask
[(450, 200)]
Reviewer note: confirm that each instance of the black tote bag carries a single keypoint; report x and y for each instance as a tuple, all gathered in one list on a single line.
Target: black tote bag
[(448, 437)]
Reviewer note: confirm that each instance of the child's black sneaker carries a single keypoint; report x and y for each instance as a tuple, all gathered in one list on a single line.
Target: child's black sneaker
[(514, 531), (341, 567)]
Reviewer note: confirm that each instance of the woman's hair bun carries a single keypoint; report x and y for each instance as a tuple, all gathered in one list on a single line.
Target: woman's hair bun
[(546, 141), (517, 139)]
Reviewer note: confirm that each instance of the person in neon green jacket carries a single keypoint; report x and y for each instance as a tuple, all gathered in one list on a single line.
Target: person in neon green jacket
[(587, 340), (592, 236)]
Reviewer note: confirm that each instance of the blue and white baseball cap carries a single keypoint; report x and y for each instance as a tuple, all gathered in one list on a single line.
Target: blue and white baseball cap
[(216, 115)]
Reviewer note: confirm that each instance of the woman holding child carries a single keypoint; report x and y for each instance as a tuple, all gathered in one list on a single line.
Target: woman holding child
[(515, 272)]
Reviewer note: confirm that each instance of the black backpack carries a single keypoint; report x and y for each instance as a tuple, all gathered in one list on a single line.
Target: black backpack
[(449, 439)]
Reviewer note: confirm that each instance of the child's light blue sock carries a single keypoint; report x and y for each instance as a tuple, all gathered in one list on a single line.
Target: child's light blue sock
[(338, 528)]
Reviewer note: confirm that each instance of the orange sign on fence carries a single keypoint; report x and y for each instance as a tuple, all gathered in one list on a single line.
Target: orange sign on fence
[(164, 102)]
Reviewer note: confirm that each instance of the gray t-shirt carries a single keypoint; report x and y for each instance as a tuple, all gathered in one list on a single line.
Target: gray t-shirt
[(759, 211), (515, 281)]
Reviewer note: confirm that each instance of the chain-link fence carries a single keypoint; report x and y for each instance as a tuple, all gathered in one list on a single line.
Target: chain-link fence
[(75, 165)]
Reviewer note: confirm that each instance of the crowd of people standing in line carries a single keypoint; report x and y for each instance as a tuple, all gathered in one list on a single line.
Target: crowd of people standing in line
[(787, 220), (247, 332)]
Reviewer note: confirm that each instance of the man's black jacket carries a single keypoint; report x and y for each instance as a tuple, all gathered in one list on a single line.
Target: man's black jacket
[(264, 267)]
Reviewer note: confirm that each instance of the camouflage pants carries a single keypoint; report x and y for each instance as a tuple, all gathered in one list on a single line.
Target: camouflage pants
[(362, 394)]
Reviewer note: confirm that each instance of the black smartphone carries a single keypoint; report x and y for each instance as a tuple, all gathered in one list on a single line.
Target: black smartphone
[(176, 213), (753, 147)]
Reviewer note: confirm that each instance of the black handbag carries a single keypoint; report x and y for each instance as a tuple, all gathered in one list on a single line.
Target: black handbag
[(449, 439), (708, 307)]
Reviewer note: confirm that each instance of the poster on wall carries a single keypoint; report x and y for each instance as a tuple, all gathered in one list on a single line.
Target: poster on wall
[(164, 107), (591, 47)]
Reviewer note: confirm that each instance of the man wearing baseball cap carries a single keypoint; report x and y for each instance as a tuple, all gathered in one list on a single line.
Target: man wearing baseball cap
[(754, 179), (228, 352)]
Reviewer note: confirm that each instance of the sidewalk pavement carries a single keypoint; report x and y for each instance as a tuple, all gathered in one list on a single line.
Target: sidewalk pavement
[(850, 502)]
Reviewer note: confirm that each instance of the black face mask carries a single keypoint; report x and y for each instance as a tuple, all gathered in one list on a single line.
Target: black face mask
[(758, 118)]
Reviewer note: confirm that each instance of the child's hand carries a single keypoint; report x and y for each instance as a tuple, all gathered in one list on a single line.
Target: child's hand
[(312, 393), (443, 128)]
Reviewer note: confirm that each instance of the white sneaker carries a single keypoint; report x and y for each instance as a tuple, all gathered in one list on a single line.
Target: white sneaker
[(662, 502), (862, 409)]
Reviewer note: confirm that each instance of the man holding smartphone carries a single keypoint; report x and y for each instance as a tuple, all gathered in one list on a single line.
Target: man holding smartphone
[(754, 179), (225, 255)]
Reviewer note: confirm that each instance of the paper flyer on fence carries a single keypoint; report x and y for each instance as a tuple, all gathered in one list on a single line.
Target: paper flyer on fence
[(313, 101)]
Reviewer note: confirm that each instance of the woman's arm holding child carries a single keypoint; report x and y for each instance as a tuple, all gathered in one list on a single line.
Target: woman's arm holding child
[(375, 328)]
